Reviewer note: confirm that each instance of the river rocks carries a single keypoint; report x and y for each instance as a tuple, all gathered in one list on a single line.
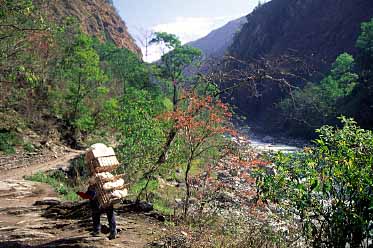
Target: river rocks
[(223, 175), (268, 139)]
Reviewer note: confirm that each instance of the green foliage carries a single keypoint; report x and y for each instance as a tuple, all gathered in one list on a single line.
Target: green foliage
[(328, 187), (23, 31), (361, 101), (178, 58), (8, 141), (175, 61), (365, 45), (139, 134), (171, 41), (123, 68), (18, 19), (136, 188), (80, 68), (82, 81), (28, 147), (318, 104), (347, 90)]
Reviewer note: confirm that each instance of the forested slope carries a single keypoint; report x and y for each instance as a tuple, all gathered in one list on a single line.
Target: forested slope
[(301, 39)]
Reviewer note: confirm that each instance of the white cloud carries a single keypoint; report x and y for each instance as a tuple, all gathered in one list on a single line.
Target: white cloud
[(191, 28), (187, 29)]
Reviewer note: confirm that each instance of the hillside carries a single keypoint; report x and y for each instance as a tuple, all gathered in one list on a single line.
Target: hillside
[(97, 18), (314, 32), (87, 127), (318, 28), (218, 41)]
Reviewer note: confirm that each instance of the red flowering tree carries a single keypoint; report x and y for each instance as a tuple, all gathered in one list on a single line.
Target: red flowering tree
[(200, 121)]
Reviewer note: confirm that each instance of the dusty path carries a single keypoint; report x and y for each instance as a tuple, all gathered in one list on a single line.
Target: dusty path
[(27, 170), (22, 224)]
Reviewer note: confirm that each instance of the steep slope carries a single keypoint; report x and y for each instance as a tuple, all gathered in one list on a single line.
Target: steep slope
[(318, 28), (98, 18), (314, 32), (217, 42)]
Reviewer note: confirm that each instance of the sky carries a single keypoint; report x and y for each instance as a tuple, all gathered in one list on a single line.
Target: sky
[(188, 19)]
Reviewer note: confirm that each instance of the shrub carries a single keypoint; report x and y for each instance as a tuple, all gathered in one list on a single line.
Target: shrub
[(8, 141), (327, 187)]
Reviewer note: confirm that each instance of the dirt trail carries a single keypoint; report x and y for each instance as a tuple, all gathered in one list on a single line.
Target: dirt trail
[(24, 224), (27, 170)]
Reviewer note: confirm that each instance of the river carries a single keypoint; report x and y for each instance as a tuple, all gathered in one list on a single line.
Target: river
[(266, 143)]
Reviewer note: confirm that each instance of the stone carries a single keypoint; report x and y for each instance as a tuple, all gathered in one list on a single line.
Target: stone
[(156, 216), (158, 244), (180, 185), (48, 202), (193, 200)]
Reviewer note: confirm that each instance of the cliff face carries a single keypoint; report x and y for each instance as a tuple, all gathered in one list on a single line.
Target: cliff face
[(314, 32), (218, 41), (321, 29), (97, 18)]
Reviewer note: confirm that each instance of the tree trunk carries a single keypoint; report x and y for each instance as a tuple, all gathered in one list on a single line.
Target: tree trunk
[(187, 185)]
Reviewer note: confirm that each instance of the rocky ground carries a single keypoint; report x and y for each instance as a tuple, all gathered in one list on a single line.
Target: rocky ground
[(31, 215)]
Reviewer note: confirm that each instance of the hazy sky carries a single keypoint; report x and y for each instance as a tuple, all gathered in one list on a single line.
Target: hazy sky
[(189, 19)]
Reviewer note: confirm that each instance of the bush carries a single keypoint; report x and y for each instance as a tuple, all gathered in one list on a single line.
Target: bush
[(8, 141), (327, 187), (319, 104)]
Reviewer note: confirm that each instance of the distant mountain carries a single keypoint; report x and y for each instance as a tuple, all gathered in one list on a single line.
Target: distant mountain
[(217, 42)]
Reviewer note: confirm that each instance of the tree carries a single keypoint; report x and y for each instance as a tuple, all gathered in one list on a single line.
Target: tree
[(83, 78), (173, 64), (18, 20), (123, 67), (327, 187), (139, 133), (200, 120), (175, 61), (362, 103), (365, 45), (318, 104), (23, 30), (144, 36)]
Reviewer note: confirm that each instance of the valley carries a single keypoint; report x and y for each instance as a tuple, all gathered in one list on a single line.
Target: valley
[(256, 134)]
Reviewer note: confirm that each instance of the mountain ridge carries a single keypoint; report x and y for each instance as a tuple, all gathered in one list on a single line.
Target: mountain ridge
[(216, 43)]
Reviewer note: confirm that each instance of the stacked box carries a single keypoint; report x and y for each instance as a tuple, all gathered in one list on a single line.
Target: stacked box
[(101, 160)]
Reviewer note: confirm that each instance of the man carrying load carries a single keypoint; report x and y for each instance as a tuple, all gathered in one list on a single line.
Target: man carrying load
[(105, 189)]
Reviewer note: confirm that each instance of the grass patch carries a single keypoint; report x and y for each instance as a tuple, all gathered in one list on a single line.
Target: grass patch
[(163, 206), (162, 198), (59, 183), (136, 188)]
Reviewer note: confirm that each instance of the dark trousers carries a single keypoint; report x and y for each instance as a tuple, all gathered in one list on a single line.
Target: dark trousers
[(96, 214)]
